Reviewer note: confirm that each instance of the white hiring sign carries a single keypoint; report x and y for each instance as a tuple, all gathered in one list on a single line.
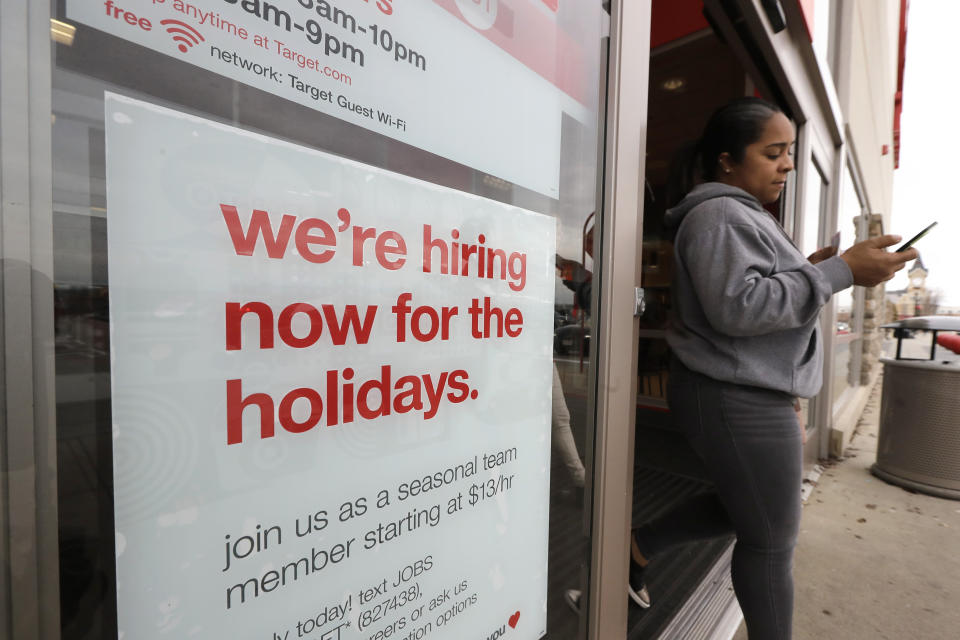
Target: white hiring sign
[(423, 73), (330, 393)]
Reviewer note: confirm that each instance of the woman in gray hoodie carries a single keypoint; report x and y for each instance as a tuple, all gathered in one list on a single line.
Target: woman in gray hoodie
[(746, 344)]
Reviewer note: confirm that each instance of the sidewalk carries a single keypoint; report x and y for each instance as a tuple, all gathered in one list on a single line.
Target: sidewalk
[(875, 561)]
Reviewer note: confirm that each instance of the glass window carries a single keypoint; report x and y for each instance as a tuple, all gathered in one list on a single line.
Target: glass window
[(848, 304), (844, 306), (815, 192), (841, 368), (183, 506), (851, 225), (814, 203)]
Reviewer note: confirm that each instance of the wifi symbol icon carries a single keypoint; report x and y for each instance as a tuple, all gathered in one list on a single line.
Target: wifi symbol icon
[(183, 33)]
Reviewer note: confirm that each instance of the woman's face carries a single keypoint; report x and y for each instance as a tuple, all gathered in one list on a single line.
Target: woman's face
[(766, 162)]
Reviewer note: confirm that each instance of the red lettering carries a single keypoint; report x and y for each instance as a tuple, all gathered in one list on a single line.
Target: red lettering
[(285, 325), (474, 312), (349, 323), (429, 244), (286, 410), (351, 319), (129, 17), (372, 398), (236, 403), (409, 399), (382, 386), (399, 247), (333, 399), (446, 314), (234, 315), (513, 323), (326, 238), (388, 243), (456, 382), (434, 394), (400, 310), (347, 396), (361, 235), (433, 324), (491, 312), (244, 242)]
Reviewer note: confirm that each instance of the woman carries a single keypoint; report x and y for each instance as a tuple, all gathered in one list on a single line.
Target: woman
[(746, 345)]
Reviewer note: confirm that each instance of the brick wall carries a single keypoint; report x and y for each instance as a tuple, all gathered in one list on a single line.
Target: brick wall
[(874, 315)]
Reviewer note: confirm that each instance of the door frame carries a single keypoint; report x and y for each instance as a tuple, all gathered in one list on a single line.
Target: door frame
[(623, 166)]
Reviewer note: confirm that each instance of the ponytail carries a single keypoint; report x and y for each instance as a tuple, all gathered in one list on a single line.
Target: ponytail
[(730, 129)]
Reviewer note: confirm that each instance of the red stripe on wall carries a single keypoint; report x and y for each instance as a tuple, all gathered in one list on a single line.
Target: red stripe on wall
[(898, 99)]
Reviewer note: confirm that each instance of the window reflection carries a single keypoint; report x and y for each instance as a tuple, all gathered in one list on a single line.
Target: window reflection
[(97, 62)]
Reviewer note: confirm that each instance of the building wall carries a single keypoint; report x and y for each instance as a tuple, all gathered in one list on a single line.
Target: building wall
[(866, 70)]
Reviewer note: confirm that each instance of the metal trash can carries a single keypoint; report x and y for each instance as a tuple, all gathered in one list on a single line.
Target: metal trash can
[(919, 439)]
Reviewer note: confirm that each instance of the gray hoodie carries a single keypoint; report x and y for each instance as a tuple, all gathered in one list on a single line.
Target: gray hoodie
[(746, 301)]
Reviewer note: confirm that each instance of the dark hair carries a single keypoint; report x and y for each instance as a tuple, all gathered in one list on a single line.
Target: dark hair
[(731, 129)]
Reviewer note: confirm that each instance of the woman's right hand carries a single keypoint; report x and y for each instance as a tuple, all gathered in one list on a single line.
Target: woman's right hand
[(871, 264)]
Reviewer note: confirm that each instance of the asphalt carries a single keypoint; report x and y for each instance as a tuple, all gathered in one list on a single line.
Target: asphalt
[(875, 561)]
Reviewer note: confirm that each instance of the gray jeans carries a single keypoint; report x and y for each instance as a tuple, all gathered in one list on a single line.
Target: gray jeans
[(751, 446)]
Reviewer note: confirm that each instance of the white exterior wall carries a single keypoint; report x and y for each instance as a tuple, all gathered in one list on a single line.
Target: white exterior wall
[(866, 72)]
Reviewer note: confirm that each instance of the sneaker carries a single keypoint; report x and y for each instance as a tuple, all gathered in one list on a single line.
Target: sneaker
[(636, 586), (572, 598)]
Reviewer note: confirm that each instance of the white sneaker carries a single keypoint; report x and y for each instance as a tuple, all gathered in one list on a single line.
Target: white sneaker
[(641, 597), (636, 586)]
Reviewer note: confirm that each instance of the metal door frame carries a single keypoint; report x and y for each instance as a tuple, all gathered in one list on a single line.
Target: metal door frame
[(29, 578), (29, 553), (616, 365)]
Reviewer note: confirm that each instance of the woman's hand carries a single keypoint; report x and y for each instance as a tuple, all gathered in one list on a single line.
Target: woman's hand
[(571, 270), (871, 265), (822, 254)]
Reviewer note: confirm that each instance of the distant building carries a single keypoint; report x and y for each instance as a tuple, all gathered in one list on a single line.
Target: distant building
[(916, 299)]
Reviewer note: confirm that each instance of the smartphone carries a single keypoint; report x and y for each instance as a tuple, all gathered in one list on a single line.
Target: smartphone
[(835, 241), (909, 243)]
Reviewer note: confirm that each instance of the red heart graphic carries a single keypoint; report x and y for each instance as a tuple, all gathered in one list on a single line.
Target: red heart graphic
[(514, 619)]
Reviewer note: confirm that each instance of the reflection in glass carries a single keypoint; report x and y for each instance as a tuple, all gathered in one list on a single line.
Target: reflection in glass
[(97, 62), (848, 216), (813, 206)]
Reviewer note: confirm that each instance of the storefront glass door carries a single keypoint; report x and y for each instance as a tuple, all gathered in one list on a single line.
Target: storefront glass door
[(321, 324)]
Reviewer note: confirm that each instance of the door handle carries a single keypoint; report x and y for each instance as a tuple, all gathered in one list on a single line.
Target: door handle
[(639, 303)]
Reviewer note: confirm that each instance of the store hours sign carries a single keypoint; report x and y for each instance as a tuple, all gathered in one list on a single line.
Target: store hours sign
[(440, 75), (331, 393)]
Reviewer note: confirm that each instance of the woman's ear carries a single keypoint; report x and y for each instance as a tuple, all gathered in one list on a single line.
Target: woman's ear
[(723, 162)]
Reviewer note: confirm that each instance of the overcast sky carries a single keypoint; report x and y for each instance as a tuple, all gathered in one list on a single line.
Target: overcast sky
[(925, 187)]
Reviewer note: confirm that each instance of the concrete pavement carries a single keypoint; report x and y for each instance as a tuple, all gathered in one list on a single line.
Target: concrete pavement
[(874, 561)]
